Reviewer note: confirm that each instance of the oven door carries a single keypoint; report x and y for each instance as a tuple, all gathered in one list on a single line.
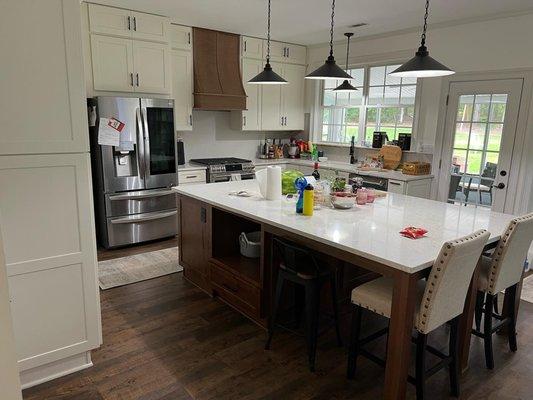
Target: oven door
[(227, 177)]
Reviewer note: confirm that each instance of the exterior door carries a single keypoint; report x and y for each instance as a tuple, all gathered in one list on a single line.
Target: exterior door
[(480, 130), (159, 143)]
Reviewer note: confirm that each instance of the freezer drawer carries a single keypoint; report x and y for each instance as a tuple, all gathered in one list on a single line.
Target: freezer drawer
[(142, 227), (141, 201)]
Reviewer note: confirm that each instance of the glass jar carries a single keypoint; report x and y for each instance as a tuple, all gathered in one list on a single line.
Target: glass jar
[(370, 195), (361, 197)]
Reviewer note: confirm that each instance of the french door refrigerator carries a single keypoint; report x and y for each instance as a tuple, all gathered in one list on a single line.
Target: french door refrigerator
[(132, 181)]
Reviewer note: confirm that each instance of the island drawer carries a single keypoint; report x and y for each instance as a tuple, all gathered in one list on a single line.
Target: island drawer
[(242, 295)]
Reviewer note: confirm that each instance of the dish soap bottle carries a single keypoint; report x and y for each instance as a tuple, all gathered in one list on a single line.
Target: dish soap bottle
[(308, 200)]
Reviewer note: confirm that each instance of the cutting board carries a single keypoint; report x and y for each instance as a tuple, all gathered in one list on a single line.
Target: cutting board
[(392, 156)]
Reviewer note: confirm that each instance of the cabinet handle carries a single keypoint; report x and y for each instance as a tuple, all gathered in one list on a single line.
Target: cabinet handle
[(284, 52), (137, 78), (285, 121), (288, 52), (134, 23), (189, 37), (245, 46), (394, 183), (190, 119), (129, 23), (131, 78), (203, 215), (244, 120)]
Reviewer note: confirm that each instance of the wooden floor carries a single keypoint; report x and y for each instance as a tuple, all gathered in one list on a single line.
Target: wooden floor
[(165, 339), (104, 254)]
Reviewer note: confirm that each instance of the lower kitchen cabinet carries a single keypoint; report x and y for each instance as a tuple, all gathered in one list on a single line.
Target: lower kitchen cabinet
[(416, 188), (46, 214)]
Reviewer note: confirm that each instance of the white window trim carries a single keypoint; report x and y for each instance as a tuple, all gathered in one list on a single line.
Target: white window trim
[(316, 114)]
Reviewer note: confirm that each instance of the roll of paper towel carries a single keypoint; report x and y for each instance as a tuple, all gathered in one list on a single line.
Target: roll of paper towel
[(273, 191)]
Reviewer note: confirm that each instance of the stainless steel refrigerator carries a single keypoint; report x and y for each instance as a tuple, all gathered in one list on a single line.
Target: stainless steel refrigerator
[(132, 181)]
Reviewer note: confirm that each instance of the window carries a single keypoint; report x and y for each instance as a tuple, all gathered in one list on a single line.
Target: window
[(382, 103)]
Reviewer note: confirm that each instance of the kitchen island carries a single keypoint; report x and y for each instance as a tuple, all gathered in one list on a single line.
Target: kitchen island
[(364, 239)]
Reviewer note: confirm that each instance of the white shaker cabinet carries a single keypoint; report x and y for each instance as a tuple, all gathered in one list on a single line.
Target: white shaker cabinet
[(250, 119), (125, 65), (416, 188), (112, 60), (182, 89), (181, 37), (252, 47), (292, 97), (128, 24), (286, 53), (271, 103)]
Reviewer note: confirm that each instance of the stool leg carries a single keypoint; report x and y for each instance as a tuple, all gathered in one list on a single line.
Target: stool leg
[(274, 314), (487, 331), (312, 304), (511, 330), (480, 298), (335, 302), (421, 342), (496, 304), (454, 354), (353, 350)]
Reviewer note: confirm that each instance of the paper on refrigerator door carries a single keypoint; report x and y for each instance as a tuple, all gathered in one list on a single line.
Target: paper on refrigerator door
[(109, 131)]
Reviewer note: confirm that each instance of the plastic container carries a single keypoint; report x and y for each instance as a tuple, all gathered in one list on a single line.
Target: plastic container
[(309, 198), (250, 244)]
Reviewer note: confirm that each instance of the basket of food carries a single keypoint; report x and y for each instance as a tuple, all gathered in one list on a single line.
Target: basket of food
[(416, 168)]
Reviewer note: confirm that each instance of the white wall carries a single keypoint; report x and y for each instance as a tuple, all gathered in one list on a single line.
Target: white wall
[(212, 136), (495, 45)]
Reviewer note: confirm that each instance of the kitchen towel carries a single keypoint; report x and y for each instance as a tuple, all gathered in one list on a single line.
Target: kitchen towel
[(273, 190)]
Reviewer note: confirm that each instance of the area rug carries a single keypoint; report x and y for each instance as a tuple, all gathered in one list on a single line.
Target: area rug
[(527, 289), (139, 267)]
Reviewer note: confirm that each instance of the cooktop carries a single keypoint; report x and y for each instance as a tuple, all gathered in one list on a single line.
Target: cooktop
[(219, 161)]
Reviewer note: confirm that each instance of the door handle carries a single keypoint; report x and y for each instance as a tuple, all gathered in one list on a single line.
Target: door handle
[(503, 173), (500, 185), (140, 143)]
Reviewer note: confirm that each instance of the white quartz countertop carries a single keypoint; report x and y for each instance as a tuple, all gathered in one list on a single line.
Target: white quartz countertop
[(191, 167), (371, 231), (344, 167)]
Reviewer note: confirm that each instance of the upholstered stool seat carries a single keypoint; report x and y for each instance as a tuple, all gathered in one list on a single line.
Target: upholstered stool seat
[(376, 296), (484, 272)]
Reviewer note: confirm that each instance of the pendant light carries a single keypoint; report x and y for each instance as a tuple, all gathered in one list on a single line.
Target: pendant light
[(330, 70), (268, 76), (346, 86), (422, 65)]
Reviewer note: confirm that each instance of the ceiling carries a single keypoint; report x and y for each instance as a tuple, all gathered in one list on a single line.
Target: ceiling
[(307, 21)]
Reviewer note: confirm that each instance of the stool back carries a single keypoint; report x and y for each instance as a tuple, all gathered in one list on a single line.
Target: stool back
[(507, 263), (294, 258), (448, 282)]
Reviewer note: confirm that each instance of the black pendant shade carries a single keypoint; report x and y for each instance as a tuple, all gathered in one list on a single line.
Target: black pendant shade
[(346, 86), (422, 65), (268, 77), (330, 69)]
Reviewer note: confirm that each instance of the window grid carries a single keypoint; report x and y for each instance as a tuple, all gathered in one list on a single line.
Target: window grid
[(336, 129)]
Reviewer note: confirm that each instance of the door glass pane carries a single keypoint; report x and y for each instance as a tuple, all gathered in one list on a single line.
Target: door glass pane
[(462, 131), (458, 161), (495, 137), (477, 136), (464, 109), (481, 108), (473, 162), (161, 135), (497, 110)]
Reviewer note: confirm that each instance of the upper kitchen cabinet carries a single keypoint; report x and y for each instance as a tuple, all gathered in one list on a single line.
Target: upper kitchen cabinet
[(252, 47), (181, 37), (112, 60), (130, 24), (250, 119), (286, 53), (151, 62), (44, 59), (182, 76)]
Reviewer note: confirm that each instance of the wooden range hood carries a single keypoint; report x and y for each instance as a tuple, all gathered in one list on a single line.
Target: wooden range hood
[(217, 73)]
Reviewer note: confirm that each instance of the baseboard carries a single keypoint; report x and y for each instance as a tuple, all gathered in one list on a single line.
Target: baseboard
[(44, 373)]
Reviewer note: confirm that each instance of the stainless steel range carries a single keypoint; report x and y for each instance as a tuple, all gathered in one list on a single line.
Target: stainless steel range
[(227, 169)]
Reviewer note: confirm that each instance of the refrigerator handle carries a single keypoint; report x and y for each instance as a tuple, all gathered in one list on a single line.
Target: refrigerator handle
[(140, 143), (146, 142)]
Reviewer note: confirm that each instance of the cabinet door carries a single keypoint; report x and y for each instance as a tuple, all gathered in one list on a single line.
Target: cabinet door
[(150, 27), (52, 277), (182, 89), (295, 54), (42, 87), (110, 21), (277, 51), (271, 109), (396, 187), (293, 97), (420, 188), (151, 63), (112, 60), (252, 47), (181, 37), (251, 117)]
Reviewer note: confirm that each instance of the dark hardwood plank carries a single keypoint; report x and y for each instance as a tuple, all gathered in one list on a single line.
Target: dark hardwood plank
[(105, 254), (164, 339)]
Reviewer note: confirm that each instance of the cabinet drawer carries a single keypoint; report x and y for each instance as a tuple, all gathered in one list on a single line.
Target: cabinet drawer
[(396, 186), (238, 293), (186, 177)]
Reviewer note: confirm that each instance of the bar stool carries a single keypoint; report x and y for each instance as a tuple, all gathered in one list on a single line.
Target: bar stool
[(502, 271), (298, 265), (441, 300)]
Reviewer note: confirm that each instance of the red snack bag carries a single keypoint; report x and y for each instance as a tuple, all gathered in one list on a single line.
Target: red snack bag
[(413, 232)]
